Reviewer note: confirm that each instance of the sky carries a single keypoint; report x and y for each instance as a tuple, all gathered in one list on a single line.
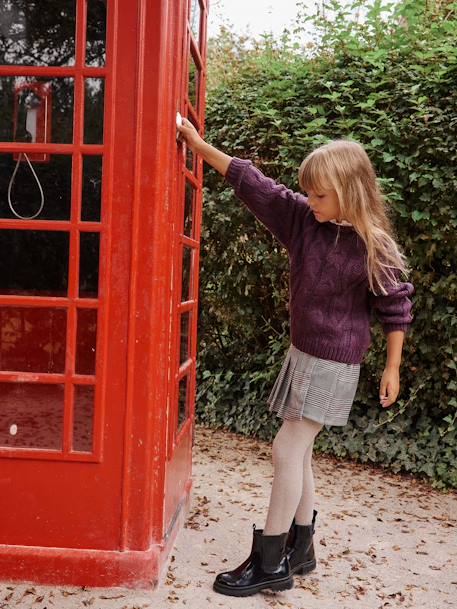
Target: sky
[(253, 16)]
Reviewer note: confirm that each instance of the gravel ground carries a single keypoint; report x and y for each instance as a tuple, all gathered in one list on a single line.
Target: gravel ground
[(382, 540)]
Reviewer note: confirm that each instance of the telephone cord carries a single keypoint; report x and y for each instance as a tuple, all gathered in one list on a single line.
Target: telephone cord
[(11, 185)]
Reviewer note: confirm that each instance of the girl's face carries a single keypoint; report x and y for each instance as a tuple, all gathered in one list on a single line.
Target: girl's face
[(324, 204)]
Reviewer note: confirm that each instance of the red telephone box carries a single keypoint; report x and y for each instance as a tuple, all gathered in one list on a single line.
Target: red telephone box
[(99, 287)]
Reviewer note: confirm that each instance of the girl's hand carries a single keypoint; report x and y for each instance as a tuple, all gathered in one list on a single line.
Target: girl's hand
[(214, 157), (390, 386), (190, 134)]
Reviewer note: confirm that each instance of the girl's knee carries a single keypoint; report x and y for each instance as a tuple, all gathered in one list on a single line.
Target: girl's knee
[(293, 439), (314, 425), (303, 429), (282, 447)]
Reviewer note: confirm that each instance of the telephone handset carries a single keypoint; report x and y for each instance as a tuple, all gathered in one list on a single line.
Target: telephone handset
[(32, 123), (35, 99)]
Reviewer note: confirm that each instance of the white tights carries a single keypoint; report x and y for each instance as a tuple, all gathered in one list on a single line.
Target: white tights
[(292, 491)]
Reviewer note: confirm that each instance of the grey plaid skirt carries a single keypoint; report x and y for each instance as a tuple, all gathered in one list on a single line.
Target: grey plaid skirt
[(319, 389)]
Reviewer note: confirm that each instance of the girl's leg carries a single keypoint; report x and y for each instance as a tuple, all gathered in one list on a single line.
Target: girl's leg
[(289, 448), (304, 512)]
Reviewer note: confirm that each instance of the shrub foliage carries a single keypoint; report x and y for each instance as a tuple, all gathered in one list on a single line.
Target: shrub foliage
[(391, 84)]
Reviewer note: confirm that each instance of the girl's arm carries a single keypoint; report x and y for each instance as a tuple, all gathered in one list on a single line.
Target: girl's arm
[(394, 313), (394, 348), (390, 381), (217, 159), (280, 209)]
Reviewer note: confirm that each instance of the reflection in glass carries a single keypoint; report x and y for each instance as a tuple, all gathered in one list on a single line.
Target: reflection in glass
[(86, 338), (189, 209), (55, 180), (183, 399), (83, 418), (31, 415), (89, 260), (34, 262), (195, 19), (92, 189), (96, 33), (61, 99), (194, 76), (190, 159), (185, 337), (93, 110), (32, 339), (34, 33), (186, 273)]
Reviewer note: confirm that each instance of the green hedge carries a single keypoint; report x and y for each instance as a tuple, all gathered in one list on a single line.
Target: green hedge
[(391, 84)]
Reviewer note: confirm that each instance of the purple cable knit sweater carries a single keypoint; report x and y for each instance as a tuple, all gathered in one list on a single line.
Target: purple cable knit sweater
[(330, 301)]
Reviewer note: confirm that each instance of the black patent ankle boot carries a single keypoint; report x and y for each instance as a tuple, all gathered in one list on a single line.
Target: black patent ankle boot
[(300, 547), (267, 566)]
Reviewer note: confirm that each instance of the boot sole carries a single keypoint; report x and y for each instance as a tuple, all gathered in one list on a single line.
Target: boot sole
[(303, 568), (282, 584)]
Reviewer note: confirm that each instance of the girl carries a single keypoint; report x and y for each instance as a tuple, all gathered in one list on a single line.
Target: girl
[(344, 262)]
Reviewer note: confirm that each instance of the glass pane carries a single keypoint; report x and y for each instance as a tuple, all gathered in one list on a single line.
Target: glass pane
[(25, 200), (185, 337), (36, 109), (89, 260), (86, 338), (93, 110), (190, 156), (195, 19), (190, 159), (96, 33), (83, 418), (31, 415), (183, 399), (34, 263), (92, 189), (33, 339), (194, 76), (34, 33), (189, 209), (186, 273)]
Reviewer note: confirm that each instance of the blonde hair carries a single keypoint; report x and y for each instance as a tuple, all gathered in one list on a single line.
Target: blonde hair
[(343, 165)]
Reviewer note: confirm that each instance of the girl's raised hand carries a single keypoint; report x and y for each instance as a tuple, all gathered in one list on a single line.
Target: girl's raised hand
[(218, 159), (190, 134), (390, 386)]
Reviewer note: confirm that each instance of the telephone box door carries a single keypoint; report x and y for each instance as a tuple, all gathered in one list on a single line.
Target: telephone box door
[(64, 270)]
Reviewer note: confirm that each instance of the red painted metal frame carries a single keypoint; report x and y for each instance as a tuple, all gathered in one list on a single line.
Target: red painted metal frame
[(196, 180), (148, 346)]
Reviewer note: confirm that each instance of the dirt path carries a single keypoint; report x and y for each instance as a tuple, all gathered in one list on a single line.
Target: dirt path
[(382, 540)]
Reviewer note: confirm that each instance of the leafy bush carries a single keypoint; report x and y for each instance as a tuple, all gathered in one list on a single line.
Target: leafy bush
[(389, 83)]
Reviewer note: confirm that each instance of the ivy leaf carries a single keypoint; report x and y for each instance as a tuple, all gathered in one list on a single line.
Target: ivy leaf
[(420, 215), (388, 157)]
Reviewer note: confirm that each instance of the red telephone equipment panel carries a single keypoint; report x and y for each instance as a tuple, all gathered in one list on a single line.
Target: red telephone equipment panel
[(32, 117)]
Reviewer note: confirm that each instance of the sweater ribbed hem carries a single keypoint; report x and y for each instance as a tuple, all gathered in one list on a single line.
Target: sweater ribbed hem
[(235, 170), (336, 353), (394, 327)]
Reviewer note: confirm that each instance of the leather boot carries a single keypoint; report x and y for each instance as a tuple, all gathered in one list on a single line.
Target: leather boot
[(267, 566), (300, 547)]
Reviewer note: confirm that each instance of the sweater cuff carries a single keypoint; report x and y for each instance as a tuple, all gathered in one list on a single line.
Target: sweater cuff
[(393, 327), (235, 170)]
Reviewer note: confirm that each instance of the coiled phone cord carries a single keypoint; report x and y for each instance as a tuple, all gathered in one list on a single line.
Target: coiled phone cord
[(10, 186)]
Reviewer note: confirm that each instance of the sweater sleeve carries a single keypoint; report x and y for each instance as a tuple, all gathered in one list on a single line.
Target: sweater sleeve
[(393, 310), (276, 206)]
